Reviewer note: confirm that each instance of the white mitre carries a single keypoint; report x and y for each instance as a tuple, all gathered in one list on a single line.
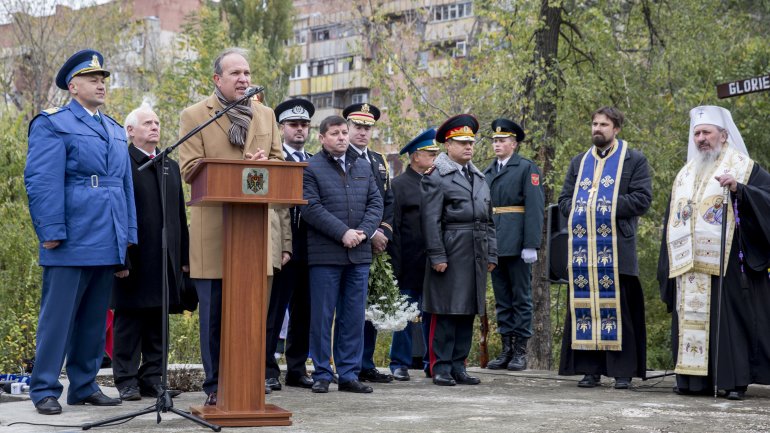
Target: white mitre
[(717, 116)]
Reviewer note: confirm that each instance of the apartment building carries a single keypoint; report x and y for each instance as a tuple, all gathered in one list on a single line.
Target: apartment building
[(336, 46)]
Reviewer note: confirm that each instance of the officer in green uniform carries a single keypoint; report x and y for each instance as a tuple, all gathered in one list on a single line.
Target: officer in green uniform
[(517, 210)]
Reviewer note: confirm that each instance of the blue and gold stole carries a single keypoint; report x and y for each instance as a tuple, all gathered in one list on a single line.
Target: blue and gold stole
[(593, 271)]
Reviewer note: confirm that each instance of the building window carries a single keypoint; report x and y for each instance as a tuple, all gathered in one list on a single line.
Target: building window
[(300, 37), (321, 35), (359, 98), (422, 59), (322, 100), (452, 11), (322, 67), (460, 49), (345, 31), (299, 71), (347, 64)]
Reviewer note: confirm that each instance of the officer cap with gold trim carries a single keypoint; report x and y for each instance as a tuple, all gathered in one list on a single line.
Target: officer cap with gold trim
[(294, 109), (424, 141), (462, 127), (83, 62), (502, 128), (361, 114)]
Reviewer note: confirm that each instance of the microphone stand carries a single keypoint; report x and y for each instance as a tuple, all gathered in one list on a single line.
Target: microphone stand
[(164, 402), (250, 92)]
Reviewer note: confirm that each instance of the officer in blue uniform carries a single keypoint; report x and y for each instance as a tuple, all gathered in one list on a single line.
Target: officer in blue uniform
[(517, 210), (407, 250), (81, 200)]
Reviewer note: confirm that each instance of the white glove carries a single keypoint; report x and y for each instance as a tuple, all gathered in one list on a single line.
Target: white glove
[(529, 255)]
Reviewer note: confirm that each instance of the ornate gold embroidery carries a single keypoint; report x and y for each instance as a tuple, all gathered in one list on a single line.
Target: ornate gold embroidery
[(579, 231), (606, 282), (586, 183), (607, 181)]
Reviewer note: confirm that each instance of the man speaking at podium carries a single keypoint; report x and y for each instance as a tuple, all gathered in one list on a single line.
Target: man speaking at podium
[(248, 131)]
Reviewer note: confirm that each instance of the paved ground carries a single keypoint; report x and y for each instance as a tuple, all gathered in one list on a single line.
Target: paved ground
[(532, 401)]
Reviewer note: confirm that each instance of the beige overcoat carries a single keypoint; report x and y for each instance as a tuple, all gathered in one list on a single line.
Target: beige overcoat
[(212, 142)]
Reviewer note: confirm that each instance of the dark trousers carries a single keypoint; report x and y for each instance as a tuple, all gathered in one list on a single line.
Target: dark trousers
[(210, 315), (73, 313), (401, 346), (340, 289), (289, 287), (512, 284), (298, 333), (451, 340), (138, 337), (370, 341)]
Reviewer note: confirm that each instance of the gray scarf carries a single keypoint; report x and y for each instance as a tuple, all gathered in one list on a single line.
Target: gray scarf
[(240, 117)]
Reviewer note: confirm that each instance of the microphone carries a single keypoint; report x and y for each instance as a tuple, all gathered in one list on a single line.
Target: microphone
[(251, 91)]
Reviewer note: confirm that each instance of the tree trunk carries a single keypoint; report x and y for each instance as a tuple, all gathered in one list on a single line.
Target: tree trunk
[(542, 87)]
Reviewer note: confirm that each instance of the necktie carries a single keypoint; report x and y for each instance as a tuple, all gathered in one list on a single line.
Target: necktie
[(97, 117), (365, 154), (499, 166), (300, 156), (152, 156), (342, 163), (467, 174)]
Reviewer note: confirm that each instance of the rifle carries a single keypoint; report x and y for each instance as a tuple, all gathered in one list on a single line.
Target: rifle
[(483, 350)]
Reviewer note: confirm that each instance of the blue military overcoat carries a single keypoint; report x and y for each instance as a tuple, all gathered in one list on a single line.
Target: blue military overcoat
[(78, 180)]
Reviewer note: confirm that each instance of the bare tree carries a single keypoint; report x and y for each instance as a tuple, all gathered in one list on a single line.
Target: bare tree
[(46, 33)]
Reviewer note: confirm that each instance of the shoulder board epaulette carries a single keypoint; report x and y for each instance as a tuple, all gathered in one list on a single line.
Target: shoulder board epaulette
[(52, 110), (430, 170)]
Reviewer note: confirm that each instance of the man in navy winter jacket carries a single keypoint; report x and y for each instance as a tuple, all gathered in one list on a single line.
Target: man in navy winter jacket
[(343, 210)]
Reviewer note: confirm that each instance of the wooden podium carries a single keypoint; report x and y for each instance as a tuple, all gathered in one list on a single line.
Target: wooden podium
[(244, 189)]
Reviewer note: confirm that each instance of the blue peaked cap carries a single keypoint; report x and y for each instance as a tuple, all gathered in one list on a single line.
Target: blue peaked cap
[(424, 141), (83, 62)]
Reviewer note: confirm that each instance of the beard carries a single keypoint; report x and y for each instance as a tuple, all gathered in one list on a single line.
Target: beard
[(600, 140), (706, 160)]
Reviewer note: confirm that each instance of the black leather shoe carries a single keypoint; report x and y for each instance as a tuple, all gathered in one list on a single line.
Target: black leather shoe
[(462, 378), (273, 384), (211, 399), (736, 395), (355, 386), (48, 406), (401, 373), (622, 382), (156, 390), (427, 374), (130, 393), (99, 399), (300, 381), (589, 381), (443, 380), (374, 376), (320, 386)]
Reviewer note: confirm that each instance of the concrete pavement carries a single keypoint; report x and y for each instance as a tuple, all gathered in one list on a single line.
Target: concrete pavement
[(531, 401)]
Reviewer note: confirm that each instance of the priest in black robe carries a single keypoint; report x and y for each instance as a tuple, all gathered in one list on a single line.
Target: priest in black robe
[(736, 352), (627, 359)]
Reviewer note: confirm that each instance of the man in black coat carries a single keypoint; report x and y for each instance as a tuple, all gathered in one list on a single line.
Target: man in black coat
[(361, 119), (604, 290), (407, 251), (343, 211), (290, 285), (137, 295)]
